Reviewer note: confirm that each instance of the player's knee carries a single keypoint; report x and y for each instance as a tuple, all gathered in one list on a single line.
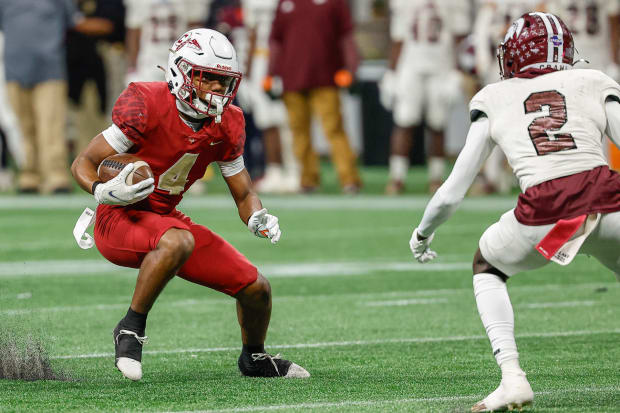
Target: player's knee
[(480, 265), (263, 290), (179, 243), (259, 292)]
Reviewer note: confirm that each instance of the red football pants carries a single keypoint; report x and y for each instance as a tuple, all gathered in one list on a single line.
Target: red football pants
[(124, 236)]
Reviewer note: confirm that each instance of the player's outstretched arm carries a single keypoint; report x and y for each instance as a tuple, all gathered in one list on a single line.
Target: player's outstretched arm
[(251, 210), (448, 197)]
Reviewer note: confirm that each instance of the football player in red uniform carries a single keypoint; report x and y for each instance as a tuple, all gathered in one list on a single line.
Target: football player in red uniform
[(179, 127)]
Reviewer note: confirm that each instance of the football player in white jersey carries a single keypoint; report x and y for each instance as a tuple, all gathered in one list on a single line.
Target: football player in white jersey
[(269, 114), (549, 119), (594, 24), (152, 26), (421, 80)]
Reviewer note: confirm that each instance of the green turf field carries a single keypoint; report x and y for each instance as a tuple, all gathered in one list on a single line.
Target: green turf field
[(377, 331)]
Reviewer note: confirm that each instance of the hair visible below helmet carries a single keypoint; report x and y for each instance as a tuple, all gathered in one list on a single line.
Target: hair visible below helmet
[(539, 41), (197, 57)]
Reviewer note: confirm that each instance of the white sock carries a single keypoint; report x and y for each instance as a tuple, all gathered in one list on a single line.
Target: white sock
[(497, 317), (436, 168), (399, 166)]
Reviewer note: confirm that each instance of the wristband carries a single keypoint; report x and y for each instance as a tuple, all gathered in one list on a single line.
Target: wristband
[(92, 188)]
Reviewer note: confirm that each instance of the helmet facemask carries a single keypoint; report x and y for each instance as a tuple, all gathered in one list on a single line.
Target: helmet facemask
[(207, 90)]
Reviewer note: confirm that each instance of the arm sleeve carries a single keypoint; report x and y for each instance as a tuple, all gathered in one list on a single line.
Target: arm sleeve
[(130, 114), (117, 139), (232, 168), (612, 109), (448, 197)]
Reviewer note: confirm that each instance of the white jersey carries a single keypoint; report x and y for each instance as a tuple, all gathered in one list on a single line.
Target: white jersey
[(589, 22), (549, 126), (161, 22), (427, 29), (259, 14)]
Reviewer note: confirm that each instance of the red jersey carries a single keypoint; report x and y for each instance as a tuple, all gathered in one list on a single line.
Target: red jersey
[(310, 34), (146, 113)]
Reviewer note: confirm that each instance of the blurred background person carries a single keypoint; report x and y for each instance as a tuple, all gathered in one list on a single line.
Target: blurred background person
[(313, 51), (421, 82), (268, 111), (88, 73), (10, 134), (151, 27), (36, 75)]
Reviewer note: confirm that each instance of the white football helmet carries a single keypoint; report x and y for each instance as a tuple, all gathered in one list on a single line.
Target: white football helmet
[(197, 57)]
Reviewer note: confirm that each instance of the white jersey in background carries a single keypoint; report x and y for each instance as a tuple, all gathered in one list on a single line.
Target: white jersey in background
[(426, 82), (588, 20), (160, 22), (549, 126), (427, 29)]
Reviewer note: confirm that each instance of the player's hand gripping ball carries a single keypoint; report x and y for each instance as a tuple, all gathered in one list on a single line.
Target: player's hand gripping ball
[(126, 179)]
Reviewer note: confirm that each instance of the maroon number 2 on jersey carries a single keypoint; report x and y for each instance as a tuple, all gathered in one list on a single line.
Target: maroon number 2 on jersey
[(541, 126)]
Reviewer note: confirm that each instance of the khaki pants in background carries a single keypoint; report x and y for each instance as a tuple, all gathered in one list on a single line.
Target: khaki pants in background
[(42, 112), (86, 119), (324, 102)]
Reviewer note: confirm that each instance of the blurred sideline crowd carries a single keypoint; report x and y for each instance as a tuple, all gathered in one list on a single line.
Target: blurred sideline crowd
[(373, 82)]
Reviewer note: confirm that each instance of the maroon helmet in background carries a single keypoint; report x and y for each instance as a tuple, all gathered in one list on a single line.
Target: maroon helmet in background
[(537, 42)]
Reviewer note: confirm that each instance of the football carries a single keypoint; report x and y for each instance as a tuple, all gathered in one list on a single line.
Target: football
[(112, 165)]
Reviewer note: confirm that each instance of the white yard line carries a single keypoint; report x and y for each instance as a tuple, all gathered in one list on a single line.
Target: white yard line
[(411, 301), (318, 202), (367, 403), (352, 343), (325, 269), (559, 304), (399, 298)]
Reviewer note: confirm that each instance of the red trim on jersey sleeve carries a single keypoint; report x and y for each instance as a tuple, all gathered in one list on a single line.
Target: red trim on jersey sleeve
[(234, 128), (130, 114)]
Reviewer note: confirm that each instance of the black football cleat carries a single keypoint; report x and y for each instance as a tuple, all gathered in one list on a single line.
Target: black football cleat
[(128, 352), (267, 365)]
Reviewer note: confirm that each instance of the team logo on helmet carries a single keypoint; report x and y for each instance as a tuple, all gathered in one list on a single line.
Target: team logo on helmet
[(555, 39), (187, 39)]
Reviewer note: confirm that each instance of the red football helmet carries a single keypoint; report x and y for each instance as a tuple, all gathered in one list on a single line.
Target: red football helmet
[(535, 41)]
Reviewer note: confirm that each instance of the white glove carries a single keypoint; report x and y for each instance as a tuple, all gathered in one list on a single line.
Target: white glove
[(420, 247), (264, 225), (117, 192), (387, 89)]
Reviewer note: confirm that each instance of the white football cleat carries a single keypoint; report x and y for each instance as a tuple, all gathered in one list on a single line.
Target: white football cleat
[(295, 371), (132, 369), (513, 392)]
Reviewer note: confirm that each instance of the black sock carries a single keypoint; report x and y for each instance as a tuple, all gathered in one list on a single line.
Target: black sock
[(247, 349), (135, 321)]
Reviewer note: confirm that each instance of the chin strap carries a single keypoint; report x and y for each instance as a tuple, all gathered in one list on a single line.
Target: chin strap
[(219, 110)]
